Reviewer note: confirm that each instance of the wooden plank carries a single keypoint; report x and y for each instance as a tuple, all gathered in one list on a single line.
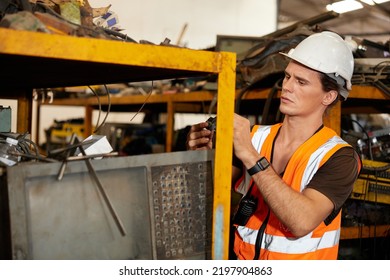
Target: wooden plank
[(24, 114)]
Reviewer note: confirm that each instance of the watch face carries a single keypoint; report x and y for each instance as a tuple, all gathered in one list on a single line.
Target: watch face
[(263, 163)]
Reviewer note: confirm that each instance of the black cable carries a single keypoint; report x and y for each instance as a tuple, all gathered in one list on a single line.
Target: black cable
[(99, 104), (39, 157), (270, 97), (23, 147), (260, 235), (368, 138), (108, 110), (378, 69), (374, 169), (34, 145), (239, 98), (147, 97), (25, 5), (120, 35), (381, 86)]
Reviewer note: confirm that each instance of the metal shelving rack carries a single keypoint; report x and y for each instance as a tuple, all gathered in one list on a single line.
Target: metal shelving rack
[(37, 60)]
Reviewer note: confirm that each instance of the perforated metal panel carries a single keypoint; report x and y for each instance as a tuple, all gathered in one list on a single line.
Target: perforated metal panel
[(181, 196)]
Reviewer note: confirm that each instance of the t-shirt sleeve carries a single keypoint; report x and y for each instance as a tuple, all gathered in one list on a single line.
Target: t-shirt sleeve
[(335, 179)]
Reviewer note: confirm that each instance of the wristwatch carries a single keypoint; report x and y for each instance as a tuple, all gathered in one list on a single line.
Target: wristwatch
[(261, 164)]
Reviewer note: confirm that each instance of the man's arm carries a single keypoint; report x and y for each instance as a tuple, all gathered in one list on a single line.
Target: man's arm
[(300, 212)]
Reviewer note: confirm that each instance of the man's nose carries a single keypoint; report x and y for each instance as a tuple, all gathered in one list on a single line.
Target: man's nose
[(287, 85)]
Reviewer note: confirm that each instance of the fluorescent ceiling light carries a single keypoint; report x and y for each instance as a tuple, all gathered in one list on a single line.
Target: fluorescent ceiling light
[(344, 6)]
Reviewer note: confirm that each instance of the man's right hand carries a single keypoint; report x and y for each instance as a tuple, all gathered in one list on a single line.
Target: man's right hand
[(200, 138)]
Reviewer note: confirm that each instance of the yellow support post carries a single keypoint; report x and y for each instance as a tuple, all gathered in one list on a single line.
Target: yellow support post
[(223, 157)]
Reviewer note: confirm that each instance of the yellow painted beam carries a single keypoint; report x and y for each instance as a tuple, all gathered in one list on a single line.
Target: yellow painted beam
[(36, 44), (223, 157), (367, 92)]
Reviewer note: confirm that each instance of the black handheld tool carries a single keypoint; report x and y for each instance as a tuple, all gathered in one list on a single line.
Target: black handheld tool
[(212, 121)]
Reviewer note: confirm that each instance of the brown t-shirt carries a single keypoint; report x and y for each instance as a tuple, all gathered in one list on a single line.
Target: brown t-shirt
[(335, 179)]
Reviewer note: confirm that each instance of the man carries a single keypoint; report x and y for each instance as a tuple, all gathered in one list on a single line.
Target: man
[(296, 175)]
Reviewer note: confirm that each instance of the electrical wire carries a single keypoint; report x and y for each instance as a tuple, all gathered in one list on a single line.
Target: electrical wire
[(271, 95), (24, 146), (108, 110), (374, 169), (368, 138), (39, 157), (381, 66), (376, 80), (142, 106), (99, 104)]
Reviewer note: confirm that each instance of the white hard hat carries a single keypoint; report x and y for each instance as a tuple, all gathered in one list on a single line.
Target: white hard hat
[(328, 53)]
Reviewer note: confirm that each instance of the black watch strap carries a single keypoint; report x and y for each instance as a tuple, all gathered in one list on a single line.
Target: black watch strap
[(261, 164)]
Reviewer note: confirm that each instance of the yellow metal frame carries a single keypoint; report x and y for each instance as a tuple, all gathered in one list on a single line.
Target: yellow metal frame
[(361, 190), (15, 43), (67, 131), (364, 187)]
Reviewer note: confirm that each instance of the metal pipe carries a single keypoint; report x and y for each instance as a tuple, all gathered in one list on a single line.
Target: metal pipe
[(310, 21), (104, 194), (63, 165)]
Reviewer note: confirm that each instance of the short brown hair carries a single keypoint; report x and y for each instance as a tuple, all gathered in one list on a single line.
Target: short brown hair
[(329, 84)]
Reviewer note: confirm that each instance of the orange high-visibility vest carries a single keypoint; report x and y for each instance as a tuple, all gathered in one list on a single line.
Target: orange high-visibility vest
[(278, 242)]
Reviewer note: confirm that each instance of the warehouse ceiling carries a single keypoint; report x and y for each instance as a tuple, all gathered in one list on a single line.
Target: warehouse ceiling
[(370, 23)]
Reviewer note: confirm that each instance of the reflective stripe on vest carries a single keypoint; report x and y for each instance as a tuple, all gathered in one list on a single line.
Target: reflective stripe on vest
[(282, 244), (316, 158)]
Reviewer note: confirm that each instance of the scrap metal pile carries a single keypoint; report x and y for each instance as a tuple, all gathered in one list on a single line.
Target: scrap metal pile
[(68, 17)]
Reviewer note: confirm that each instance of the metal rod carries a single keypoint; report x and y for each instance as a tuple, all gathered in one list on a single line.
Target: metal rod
[(41, 158), (104, 194), (60, 150), (310, 22), (76, 158), (63, 165)]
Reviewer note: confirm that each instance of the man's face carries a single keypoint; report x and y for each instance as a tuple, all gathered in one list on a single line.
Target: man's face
[(302, 92)]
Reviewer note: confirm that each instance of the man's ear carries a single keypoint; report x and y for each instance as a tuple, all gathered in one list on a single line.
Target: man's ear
[(329, 97)]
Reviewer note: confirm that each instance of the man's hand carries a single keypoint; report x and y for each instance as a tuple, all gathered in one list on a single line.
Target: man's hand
[(242, 142), (200, 138)]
